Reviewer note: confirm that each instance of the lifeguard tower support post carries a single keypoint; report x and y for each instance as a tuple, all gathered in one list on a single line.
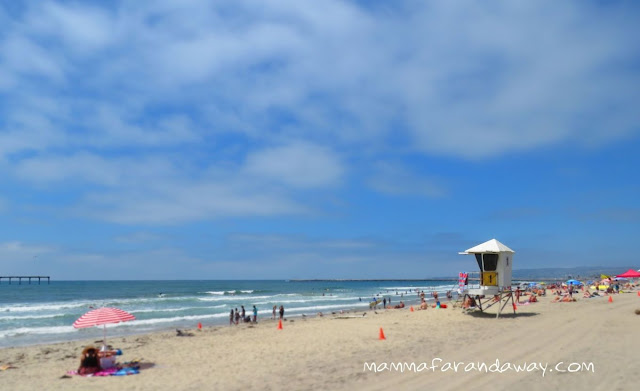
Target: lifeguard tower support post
[(495, 261)]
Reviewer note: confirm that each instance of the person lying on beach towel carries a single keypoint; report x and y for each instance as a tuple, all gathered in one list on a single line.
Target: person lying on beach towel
[(565, 299)]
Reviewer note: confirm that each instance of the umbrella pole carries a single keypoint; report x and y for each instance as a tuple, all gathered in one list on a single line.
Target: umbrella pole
[(104, 338)]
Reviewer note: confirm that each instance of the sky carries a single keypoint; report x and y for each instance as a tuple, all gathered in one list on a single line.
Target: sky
[(292, 139)]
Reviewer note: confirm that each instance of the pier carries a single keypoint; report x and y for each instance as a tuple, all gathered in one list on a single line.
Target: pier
[(20, 278)]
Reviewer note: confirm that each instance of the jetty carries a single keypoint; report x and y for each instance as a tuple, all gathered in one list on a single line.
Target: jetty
[(29, 278)]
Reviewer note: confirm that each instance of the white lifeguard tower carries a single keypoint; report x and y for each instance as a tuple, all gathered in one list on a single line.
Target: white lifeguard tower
[(495, 261)]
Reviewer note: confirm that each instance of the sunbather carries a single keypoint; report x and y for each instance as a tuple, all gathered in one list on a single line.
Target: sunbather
[(469, 302), (89, 362), (564, 298)]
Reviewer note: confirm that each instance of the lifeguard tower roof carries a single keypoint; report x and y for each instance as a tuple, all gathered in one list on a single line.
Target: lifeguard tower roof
[(490, 246)]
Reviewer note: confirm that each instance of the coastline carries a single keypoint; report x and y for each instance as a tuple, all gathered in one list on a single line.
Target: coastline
[(36, 315), (329, 352)]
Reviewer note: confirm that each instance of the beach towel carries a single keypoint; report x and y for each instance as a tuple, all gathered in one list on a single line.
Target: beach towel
[(104, 372), (127, 371), (130, 370)]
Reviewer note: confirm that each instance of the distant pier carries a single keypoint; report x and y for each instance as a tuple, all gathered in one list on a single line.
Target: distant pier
[(29, 278)]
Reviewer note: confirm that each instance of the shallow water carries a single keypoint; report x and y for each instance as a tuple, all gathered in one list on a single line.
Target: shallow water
[(33, 314)]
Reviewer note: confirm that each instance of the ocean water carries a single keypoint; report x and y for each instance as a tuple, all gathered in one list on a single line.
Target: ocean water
[(36, 314)]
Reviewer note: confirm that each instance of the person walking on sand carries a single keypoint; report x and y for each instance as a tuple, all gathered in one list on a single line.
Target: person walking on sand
[(244, 313), (231, 317), (237, 316), (570, 289), (281, 312), (255, 314), (273, 316), (384, 303)]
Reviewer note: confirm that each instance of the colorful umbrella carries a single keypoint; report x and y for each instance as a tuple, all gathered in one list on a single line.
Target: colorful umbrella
[(103, 316)]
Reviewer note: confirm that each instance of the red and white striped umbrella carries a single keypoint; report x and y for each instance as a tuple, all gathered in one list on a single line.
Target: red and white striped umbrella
[(102, 316)]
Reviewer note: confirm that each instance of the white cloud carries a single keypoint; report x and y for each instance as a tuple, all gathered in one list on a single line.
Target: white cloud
[(192, 109), (496, 80), (79, 26), (397, 180), (139, 237), (93, 169), (22, 56), (21, 254), (175, 202), (298, 164)]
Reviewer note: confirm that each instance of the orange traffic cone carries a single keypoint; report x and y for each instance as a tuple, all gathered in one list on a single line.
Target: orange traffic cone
[(199, 326), (381, 337), (280, 324), (610, 299), (411, 308)]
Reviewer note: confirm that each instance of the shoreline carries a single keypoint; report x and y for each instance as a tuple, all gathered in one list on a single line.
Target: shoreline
[(329, 352), (213, 324), (184, 306)]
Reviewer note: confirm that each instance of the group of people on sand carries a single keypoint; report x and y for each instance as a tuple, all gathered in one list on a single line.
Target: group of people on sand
[(235, 317), (279, 311), (532, 295)]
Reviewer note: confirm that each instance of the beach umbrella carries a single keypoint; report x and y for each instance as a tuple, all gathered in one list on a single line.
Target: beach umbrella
[(574, 282), (102, 317)]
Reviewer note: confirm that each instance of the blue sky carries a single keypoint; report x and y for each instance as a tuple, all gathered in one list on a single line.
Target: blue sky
[(315, 139)]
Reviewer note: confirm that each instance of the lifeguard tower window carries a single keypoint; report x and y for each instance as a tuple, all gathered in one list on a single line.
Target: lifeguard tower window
[(490, 262)]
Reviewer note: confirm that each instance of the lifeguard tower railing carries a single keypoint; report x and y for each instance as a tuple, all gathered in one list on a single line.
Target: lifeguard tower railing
[(475, 280)]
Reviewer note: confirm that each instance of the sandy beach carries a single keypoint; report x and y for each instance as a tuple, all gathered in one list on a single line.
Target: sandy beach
[(331, 352)]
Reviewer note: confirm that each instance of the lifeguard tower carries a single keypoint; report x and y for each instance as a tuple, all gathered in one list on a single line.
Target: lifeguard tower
[(495, 261)]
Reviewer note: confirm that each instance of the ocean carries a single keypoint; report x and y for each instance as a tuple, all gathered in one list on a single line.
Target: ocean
[(41, 314)]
